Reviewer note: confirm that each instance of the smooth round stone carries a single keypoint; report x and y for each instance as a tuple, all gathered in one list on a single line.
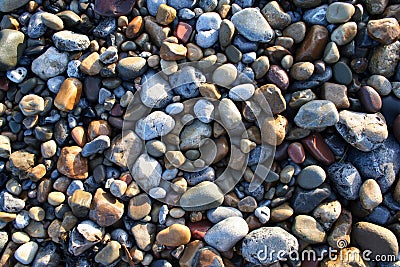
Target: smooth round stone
[(221, 213), (203, 196), (276, 16), (342, 73), (131, 67), (241, 92), (296, 152), (37, 214), (379, 240), (17, 75), (31, 105), (346, 179), (379, 30), (225, 75), (174, 108), (20, 237), (155, 148), (308, 229), (250, 23), (226, 233), (317, 114), (26, 252), (344, 34), (52, 21), (370, 194), (302, 70), (56, 198), (311, 177), (174, 236), (204, 110), (380, 83), (370, 99), (364, 131), (109, 254), (339, 12), (226, 32), (229, 114), (13, 46), (275, 238)]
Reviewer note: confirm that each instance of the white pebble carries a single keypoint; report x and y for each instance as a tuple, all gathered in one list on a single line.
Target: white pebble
[(17, 75)]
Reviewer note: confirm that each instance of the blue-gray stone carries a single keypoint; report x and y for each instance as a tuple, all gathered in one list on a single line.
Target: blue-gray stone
[(152, 6), (316, 16), (244, 45), (36, 27), (381, 164), (345, 179), (105, 27), (97, 145), (194, 178), (179, 4), (221, 213), (380, 215), (187, 81), (304, 201)]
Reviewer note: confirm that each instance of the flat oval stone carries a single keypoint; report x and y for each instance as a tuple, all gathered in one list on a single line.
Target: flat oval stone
[(221, 213), (226, 233), (206, 195), (370, 99), (296, 152), (311, 177), (312, 48), (339, 12), (317, 114), (379, 240), (12, 45), (131, 67), (230, 115), (316, 146), (308, 229), (173, 236), (241, 92), (250, 23), (342, 73), (70, 41)]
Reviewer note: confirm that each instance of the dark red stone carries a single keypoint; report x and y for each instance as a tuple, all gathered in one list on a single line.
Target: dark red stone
[(396, 128), (199, 229), (113, 8), (117, 111), (4, 83), (278, 76), (316, 146), (183, 32), (296, 152), (370, 99)]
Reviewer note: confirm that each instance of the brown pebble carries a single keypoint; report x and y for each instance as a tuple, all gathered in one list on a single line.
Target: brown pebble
[(174, 236), (370, 99), (97, 128), (69, 95), (296, 152), (396, 128), (385, 31), (313, 45), (316, 146), (79, 135), (135, 27), (72, 164)]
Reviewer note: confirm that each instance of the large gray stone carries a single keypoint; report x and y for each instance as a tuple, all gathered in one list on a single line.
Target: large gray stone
[(12, 45)]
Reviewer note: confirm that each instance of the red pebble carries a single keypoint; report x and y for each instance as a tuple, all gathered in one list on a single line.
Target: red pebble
[(296, 152), (318, 149), (199, 229), (183, 32)]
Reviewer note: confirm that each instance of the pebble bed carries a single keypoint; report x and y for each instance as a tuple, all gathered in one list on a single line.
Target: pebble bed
[(135, 133)]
